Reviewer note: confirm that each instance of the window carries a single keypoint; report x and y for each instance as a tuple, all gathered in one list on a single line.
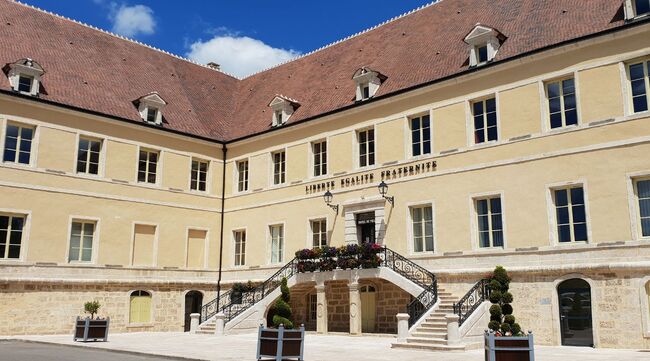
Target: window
[(643, 195), (489, 221), (242, 176), (279, 167), (81, 241), (482, 53), (152, 115), (641, 7), (147, 166), (18, 144), (367, 83), (11, 235), (313, 306), (484, 43), (283, 108), (240, 247), (319, 233), (365, 91), (422, 222), (25, 83), (420, 135), (279, 115), (640, 83), (199, 175), (277, 243), (570, 214), (320, 157), (562, 103), (485, 120), (366, 139), (88, 156), (140, 307)]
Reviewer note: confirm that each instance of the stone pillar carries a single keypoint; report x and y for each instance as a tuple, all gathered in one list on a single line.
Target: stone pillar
[(402, 327), (321, 309), (220, 326), (355, 309), (453, 333), (194, 322)]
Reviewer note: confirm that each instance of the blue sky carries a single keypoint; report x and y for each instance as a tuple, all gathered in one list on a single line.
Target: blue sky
[(242, 36)]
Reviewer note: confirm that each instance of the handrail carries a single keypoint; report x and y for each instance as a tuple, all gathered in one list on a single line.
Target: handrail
[(472, 300), (391, 259), (418, 275)]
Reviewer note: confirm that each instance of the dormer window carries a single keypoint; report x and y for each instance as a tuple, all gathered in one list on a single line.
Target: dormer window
[(367, 83), (636, 8), (25, 76), (150, 107), (484, 42), (283, 107)]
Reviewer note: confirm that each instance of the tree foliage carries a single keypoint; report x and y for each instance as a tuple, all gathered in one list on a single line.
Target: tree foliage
[(282, 308), (501, 317)]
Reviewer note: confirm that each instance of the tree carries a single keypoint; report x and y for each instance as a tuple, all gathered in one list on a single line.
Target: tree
[(282, 308), (501, 317), (92, 308)]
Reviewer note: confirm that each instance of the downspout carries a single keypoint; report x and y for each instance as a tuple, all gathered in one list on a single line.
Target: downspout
[(223, 201)]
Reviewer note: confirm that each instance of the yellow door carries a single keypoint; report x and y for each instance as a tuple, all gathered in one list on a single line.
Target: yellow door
[(368, 309)]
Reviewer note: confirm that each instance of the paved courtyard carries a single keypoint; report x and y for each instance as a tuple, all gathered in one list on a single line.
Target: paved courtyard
[(317, 348)]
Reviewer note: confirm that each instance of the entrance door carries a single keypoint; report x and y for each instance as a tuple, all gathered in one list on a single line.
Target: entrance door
[(366, 223), (575, 313), (193, 303), (368, 309)]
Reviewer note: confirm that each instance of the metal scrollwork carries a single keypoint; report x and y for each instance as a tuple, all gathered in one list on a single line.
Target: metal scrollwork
[(472, 300)]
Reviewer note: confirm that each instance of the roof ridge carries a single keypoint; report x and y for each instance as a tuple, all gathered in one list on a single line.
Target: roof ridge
[(123, 38), (359, 33)]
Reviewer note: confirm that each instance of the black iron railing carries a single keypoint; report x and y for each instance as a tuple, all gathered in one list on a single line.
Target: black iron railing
[(390, 259), (232, 309), (418, 275), (472, 300)]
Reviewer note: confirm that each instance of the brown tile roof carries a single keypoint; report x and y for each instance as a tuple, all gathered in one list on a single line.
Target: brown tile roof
[(97, 71)]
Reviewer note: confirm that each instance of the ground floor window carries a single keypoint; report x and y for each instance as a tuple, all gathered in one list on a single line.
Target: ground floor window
[(81, 241), (277, 243), (140, 307), (422, 226), (11, 235), (489, 221)]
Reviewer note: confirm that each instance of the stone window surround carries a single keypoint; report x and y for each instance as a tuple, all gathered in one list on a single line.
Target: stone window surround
[(551, 212), (356, 144), (409, 227), (33, 153), (476, 246), (269, 243), (208, 176), (24, 243), (236, 172), (272, 168), (234, 246), (353, 207), (310, 234), (159, 167), (633, 201), (96, 238), (546, 110), (102, 156), (28, 68)]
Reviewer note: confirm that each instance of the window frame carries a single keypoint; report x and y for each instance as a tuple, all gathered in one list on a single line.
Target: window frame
[(310, 232), (282, 243), (33, 151), (471, 125), (283, 168), (150, 112), (32, 80), (312, 311), (95, 245), (645, 62), (156, 236), (552, 213), (409, 134), (24, 242), (207, 182), (474, 226), (633, 204), (205, 246), (312, 163), (409, 228), (358, 145), (237, 174), (101, 159), (636, 13), (234, 233), (547, 109), (158, 167)]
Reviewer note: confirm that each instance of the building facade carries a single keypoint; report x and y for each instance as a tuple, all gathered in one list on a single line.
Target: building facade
[(508, 133)]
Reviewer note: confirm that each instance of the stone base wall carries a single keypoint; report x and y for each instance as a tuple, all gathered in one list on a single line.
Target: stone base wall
[(37, 308), (390, 300), (338, 306)]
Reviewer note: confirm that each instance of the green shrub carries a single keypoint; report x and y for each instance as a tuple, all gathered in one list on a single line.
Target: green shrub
[(501, 317), (282, 308), (92, 308)]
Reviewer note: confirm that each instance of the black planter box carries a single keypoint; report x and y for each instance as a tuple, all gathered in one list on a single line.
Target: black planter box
[(91, 330), (280, 344), (509, 348)]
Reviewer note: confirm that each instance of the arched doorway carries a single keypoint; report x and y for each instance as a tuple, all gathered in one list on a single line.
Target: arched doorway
[(368, 308), (575, 313), (193, 303)]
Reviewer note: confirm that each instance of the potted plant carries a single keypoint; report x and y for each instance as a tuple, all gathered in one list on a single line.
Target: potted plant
[(370, 255), (281, 342), (347, 256), (91, 328), (306, 260), (505, 338), (327, 255), (238, 289)]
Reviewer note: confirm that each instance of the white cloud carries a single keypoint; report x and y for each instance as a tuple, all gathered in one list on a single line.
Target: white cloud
[(132, 20), (239, 55)]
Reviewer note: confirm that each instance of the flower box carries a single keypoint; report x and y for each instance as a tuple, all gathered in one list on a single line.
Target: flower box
[(87, 329), (280, 344), (509, 348)]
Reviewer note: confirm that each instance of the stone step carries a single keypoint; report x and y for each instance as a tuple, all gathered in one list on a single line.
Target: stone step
[(430, 334), (429, 347), (427, 340), (433, 326), (205, 332)]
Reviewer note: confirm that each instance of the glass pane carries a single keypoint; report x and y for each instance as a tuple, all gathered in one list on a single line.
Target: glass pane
[(415, 124), (563, 215), (496, 222), (11, 143), (429, 243), (15, 237), (75, 240), (478, 108), (571, 117), (568, 86), (636, 71), (638, 87), (478, 122), (417, 214), (577, 196), (4, 223), (564, 233), (491, 105), (12, 131), (640, 104), (74, 254), (428, 229), (88, 241), (497, 238), (553, 90), (561, 197), (23, 158), (3, 248), (484, 239), (17, 223), (643, 189), (25, 145), (87, 255), (9, 156), (580, 231), (479, 136), (81, 166), (491, 119), (482, 206), (26, 133), (418, 245), (579, 213), (93, 168), (426, 147), (425, 121), (14, 251), (492, 133), (95, 146), (642, 7), (555, 105), (645, 227), (483, 224), (495, 205), (644, 207), (569, 101)]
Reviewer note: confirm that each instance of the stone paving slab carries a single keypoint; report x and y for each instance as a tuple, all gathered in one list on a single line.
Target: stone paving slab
[(317, 348)]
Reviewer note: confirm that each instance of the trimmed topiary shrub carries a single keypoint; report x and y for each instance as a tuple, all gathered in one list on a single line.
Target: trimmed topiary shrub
[(282, 308), (501, 318)]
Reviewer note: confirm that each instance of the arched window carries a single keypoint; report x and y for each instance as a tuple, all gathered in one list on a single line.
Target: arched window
[(367, 288), (140, 311)]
